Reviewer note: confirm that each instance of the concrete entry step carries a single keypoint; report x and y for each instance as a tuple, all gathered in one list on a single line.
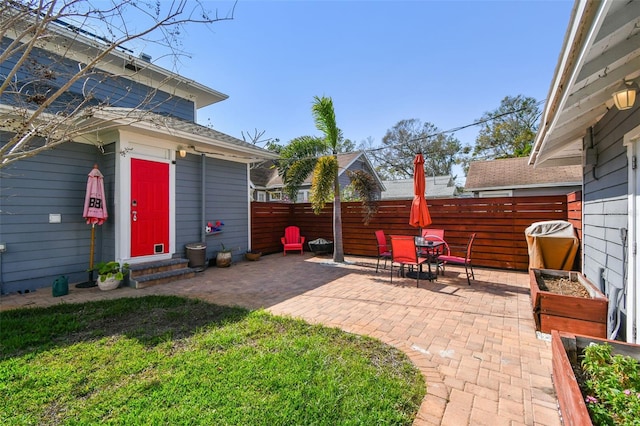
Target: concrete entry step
[(159, 272)]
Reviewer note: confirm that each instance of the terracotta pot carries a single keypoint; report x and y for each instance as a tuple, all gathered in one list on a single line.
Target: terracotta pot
[(223, 259), (580, 315), (565, 348), (252, 255)]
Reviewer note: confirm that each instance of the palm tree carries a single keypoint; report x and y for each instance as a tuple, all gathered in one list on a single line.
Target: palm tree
[(308, 154)]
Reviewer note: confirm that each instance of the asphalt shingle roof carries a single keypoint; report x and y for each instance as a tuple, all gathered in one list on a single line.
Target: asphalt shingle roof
[(517, 173)]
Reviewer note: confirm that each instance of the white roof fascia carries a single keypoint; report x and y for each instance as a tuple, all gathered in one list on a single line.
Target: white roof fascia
[(375, 175), (568, 69), (236, 152), (543, 185)]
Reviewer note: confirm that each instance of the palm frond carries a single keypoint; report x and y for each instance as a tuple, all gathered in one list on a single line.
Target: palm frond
[(325, 119), (295, 176), (324, 177), (365, 186), (297, 161)]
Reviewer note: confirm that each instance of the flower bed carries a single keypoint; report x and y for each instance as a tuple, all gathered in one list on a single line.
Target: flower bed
[(597, 381)]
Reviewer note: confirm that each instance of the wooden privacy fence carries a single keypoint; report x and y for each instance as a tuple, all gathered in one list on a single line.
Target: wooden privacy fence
[(499, 222)]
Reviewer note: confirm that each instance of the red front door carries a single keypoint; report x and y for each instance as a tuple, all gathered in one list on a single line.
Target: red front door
[(149, 207)]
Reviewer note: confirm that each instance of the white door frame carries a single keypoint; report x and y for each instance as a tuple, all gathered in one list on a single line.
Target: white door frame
[(133, 145), (632, 142)]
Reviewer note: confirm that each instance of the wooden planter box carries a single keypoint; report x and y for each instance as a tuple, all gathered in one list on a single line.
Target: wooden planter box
[(574, 314), (565, 348)]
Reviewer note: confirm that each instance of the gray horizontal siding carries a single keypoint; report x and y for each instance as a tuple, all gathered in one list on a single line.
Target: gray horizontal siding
[(116, 91), (605, 209), (188, 201), (225, 200), (344, 180), (31, 189)]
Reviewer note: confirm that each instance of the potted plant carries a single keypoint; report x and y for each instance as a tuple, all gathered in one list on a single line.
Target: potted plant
[(597, 381), (567, 301), (253, 255), (223, 258), (111, 274)]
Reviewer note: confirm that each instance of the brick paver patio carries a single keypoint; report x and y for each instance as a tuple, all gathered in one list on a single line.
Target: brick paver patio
[(475, 345)]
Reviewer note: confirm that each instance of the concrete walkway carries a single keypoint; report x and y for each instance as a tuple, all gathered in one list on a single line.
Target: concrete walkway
[(475, 345)]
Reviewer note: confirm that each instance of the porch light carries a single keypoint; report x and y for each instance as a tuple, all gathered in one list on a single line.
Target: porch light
[(182, 152), (625, 96)]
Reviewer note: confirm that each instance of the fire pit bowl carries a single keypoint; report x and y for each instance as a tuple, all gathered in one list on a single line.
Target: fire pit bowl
[(321, 246)]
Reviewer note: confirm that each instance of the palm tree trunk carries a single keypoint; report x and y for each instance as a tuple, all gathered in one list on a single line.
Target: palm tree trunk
[(338, 250)]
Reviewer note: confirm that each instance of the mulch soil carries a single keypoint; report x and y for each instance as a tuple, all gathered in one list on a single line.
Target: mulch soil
[(563, 286)]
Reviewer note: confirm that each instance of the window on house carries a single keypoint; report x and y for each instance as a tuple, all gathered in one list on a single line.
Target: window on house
[(275, 196), (261, 196), (489, 194)]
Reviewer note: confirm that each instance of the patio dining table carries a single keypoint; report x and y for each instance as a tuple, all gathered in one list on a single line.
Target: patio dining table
[(431, 250)]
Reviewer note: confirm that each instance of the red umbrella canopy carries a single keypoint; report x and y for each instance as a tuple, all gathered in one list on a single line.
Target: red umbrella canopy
[(419, 212), (95, 206)]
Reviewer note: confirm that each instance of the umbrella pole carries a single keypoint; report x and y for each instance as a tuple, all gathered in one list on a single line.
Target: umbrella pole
[(91, 250), (91, 282)]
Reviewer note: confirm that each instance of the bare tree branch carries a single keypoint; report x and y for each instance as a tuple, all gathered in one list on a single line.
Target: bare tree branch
[(55, 53)]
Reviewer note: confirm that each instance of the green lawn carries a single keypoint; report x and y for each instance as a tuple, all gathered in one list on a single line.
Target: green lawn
[(174, 361)]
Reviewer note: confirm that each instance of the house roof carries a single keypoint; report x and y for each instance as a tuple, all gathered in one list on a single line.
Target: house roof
[(600, 50), (263, 173), (436, 187), (266, 175), (511, 173), (193, 137)]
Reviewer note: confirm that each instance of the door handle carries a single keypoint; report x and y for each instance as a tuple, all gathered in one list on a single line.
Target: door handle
[(134, 215)]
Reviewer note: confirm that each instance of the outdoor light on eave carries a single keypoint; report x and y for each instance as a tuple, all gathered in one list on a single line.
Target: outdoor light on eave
[(182, 151), (625, 96)]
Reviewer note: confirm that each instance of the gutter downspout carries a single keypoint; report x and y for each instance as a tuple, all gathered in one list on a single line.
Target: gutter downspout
[(203, 174)]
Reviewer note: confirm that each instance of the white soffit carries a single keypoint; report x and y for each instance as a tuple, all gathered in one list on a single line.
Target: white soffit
[(590, 70)]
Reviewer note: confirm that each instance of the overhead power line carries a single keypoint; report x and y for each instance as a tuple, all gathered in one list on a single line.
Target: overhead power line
[(456, 129), (442, 132)]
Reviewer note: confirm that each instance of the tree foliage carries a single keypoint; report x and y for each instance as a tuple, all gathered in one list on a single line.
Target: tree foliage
[(317, 156), (400, 144), (363, 188), (509, 130), (297, 161), (39, 65)]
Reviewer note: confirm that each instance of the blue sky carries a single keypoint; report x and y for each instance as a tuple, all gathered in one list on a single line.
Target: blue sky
[(445, 62)]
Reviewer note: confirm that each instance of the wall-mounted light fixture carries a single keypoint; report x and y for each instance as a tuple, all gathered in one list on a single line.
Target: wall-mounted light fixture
[(625, 96), (182, 152)]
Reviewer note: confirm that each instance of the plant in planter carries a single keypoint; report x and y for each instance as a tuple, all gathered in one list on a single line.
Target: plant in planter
[(111, 274), (597, 381), (223, 257), (612, 384)]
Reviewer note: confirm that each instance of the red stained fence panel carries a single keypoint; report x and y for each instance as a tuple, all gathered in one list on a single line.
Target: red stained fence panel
[(499, 222)]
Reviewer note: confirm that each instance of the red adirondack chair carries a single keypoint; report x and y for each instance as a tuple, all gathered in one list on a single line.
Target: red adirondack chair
[(292, 240)]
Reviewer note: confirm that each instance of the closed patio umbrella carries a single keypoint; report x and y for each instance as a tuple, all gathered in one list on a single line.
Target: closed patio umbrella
[(95, 213), (419, 216)]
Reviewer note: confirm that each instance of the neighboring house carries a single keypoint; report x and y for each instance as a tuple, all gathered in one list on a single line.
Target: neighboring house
[(514, 177), (580, 125), (435, 187), (165, 176), (266, 184)]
